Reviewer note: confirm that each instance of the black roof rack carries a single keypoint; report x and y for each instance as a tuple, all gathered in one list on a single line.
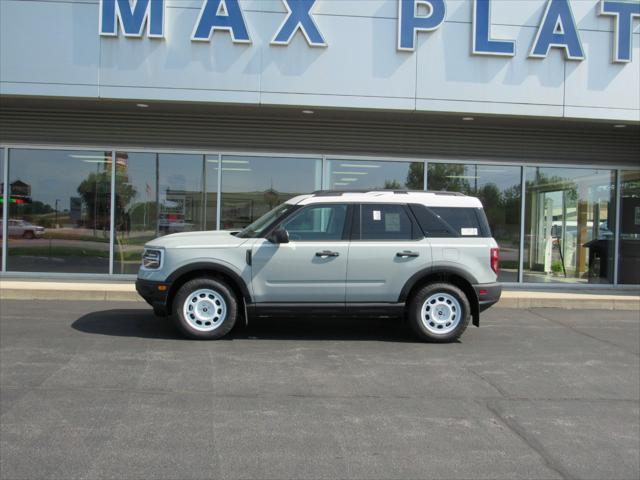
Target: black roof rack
[(337, 193)]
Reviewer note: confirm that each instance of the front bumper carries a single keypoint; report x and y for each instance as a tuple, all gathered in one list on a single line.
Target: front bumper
[(488, 294), (155, 294)]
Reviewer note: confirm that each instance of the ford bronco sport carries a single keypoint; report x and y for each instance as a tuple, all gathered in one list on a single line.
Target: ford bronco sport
[(425, 256)]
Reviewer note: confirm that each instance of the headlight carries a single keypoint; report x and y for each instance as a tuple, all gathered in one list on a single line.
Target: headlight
[(151, 259)]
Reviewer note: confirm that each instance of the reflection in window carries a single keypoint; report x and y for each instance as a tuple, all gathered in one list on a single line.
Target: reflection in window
[(251, 186), (136, 208), (59, 211), (498, 188), (629, 266), (569, 225), (211, 195), (1, 198), (180, 205), (371, 175)]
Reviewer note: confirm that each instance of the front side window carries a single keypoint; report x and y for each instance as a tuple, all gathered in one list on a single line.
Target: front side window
[(262, 224), (317, 223), (385, 222)]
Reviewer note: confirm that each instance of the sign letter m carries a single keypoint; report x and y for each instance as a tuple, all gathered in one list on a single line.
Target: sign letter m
[(131, 16)]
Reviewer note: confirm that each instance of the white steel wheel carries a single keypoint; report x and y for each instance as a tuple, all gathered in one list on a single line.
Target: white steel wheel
[(204, 310), (441, 313)]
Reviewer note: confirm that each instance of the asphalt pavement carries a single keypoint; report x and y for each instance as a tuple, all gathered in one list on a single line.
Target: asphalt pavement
[(106, 390)]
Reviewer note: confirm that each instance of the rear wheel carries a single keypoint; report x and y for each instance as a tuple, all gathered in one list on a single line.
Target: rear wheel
[(439, 312), (29, 235), (205, 308)]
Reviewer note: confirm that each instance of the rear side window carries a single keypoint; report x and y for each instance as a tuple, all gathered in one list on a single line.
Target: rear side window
[(451, 221), (386, 222)]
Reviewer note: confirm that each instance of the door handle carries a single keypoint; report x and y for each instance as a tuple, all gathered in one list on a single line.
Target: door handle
[(407, 253), (327, 253)]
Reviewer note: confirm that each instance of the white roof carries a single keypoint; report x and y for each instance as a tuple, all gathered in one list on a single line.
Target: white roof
[(430, 199)]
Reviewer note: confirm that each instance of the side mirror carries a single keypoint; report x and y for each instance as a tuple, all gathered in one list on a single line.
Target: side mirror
[(279, 235)]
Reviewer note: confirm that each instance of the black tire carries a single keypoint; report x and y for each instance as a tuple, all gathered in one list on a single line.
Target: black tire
[(414, 313), (220, 288), (29, 235)]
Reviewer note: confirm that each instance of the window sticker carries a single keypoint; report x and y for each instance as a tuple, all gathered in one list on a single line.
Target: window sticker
[(469, 231), (392, 222), (377, 216)]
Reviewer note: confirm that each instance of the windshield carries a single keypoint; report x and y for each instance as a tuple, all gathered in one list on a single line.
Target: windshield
[(257, 228)]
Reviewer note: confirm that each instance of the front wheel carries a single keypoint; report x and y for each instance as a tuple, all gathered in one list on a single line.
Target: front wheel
[(439, 312), (205, 309)]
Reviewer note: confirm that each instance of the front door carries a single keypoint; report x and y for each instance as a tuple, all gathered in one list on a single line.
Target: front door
[(387, 248), (312, 267)]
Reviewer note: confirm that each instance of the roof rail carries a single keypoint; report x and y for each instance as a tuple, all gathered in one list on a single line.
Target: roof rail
[(444, 192), (337, 193)]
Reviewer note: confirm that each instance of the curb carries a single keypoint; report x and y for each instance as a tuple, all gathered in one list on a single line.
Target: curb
[(69, 291), (126, 292)]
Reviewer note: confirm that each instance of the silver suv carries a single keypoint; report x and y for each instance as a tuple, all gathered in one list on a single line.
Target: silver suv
[(428, 257)]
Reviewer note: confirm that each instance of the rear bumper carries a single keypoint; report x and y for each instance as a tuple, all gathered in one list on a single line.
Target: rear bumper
[(155, 294), (488, 294)]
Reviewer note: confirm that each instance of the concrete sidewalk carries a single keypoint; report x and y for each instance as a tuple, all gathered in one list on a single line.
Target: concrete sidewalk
[(511, 298)]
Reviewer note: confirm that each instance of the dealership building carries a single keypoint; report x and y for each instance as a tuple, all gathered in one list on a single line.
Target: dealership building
[(122, 120)]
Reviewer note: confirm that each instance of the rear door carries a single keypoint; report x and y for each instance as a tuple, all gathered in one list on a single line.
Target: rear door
[(312, 267), (387, 248)]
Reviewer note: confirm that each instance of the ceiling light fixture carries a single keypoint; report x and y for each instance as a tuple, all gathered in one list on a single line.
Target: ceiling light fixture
[(468, 119), (350, 173), (229, 169), (619, 125), (142, 105), (102, 158), (308, 112), (358, 165)]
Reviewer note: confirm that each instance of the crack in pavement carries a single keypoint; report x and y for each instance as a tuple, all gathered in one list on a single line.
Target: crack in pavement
[(496, 387), (529, 440)]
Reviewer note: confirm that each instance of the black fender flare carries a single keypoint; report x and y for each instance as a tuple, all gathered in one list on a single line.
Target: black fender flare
[(450, 270), (212, 267)]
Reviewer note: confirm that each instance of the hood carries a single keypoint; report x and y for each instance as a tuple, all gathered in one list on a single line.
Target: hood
[(209, 239)]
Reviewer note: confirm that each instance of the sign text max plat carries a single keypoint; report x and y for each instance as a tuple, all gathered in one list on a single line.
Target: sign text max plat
[(557, 27)]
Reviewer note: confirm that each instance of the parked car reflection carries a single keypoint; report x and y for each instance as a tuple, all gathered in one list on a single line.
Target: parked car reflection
[(23, 229)]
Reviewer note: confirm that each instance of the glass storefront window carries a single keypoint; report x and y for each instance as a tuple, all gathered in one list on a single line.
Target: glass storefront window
[(211, 189), (180, 197), (251, 186), (569, 225), (59, 211), (370, 175), (1, 200), (136, 208), (499, 189), (629, 247)]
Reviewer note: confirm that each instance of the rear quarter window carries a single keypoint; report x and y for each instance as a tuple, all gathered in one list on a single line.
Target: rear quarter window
[(451, 221)]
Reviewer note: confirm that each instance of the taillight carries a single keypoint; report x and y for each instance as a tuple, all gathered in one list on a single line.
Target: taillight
[(495, 260)]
